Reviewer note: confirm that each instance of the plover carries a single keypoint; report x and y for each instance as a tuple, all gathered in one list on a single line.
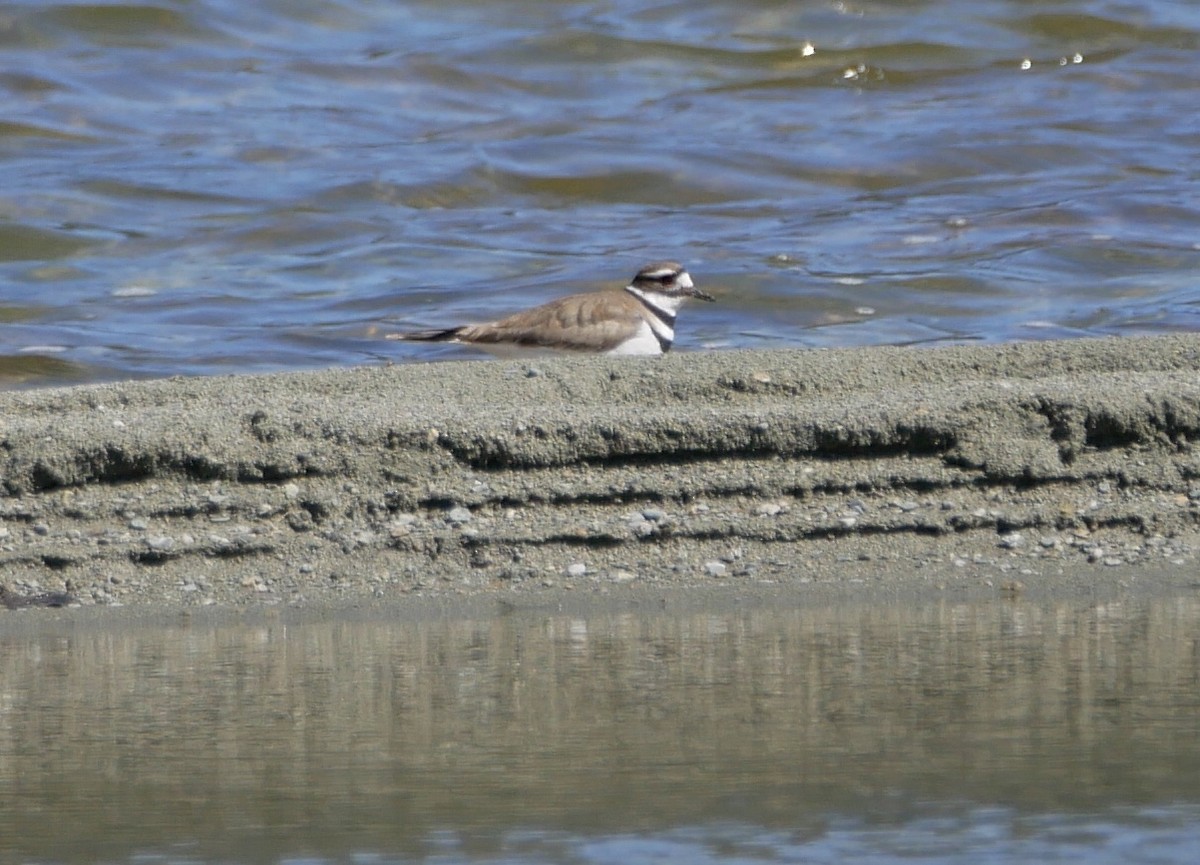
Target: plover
[(638, 320)]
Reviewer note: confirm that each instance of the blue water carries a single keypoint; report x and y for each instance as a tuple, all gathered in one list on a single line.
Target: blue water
[(194, 188), (943, 835)]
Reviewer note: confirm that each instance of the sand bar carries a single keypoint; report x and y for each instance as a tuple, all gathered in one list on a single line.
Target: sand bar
[(1006, 466)]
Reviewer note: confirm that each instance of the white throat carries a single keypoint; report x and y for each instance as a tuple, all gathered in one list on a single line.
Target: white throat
[(668, 304)]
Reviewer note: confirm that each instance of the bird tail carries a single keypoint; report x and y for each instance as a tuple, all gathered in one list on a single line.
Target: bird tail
[(444, 335)]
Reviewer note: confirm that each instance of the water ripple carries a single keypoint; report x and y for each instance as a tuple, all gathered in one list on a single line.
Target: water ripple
[(295, 179)]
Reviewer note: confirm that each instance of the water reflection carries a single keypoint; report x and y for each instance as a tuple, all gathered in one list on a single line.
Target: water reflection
[(604, 737)]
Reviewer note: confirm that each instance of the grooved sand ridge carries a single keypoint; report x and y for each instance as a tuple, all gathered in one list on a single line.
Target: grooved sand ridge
[(1005, 464)]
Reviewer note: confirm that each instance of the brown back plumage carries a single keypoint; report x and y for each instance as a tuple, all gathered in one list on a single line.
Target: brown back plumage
[(583, 322)]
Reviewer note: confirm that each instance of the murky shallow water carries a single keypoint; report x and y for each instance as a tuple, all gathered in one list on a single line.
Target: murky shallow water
[(945, 732), (215, 186)]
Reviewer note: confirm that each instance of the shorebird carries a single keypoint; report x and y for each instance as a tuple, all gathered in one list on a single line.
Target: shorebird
[(639, 319)]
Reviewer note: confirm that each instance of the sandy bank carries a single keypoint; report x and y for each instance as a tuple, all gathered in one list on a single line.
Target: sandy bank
[(990, 465)]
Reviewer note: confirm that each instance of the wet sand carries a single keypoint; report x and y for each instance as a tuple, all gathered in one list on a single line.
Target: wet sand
[(1006, 468)]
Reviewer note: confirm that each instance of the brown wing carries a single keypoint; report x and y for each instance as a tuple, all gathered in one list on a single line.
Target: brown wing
[(583, 322)]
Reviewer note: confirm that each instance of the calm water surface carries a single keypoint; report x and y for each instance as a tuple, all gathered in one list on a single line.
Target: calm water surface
[(218, 186), (952, 731)]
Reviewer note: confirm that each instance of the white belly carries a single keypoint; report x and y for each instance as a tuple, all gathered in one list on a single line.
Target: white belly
[(645, 342)]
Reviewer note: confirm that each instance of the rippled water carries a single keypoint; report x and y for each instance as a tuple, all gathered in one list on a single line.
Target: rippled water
[(199, 187), (937, 731)]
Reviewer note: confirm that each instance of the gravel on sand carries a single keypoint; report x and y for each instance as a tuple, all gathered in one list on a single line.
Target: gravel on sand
[(1001, 465)]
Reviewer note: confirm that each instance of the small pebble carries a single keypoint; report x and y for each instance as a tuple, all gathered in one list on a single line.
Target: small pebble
[(1012, 540), (576, 569), (138, 524), (458, 516), (654, 515), (642, 528), (715, 568)]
